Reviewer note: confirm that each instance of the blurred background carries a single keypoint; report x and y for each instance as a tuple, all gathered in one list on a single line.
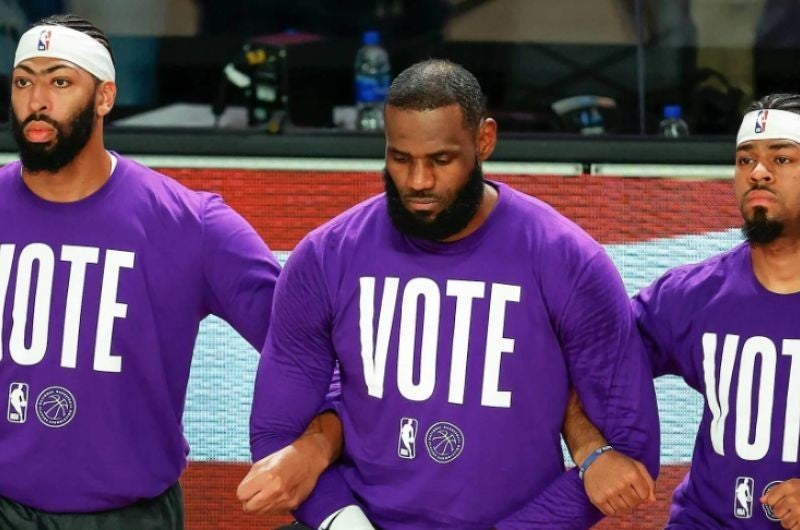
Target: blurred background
[(620, 113), (630, 63)]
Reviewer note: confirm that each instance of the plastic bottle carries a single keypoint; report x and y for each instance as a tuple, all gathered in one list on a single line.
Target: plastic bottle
[(372, 76), (673, 126)]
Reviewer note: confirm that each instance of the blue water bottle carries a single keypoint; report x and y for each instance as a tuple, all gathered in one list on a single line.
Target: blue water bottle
[(372, 77)]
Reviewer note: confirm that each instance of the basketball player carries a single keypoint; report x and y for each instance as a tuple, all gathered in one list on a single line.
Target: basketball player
[(459, 311), (728, 326), (106, 269)]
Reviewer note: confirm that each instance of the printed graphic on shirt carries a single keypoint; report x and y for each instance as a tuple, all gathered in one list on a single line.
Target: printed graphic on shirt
[(407, 441), (417, 365), (30, 301), (55, 406), (17, 403), (757, 359), (743, 498), (444, 441), (767, 508)]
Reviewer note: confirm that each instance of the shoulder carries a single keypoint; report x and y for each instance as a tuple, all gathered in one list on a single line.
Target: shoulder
[(358, 223), (162, 193), (546, 232), (695, 281), (9, 173)]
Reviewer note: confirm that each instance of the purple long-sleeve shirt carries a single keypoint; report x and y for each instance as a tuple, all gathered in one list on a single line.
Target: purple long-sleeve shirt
[(100, 303), (456, 361), (738, 345)]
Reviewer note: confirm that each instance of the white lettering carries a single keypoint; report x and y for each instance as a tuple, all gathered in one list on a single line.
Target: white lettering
[(497, 345), (755, 346), (429, 292), (20, 352), (79, 258), (719, 406), (465, 293), (373, 355), (110, 309), (791, 433), (6, 258)]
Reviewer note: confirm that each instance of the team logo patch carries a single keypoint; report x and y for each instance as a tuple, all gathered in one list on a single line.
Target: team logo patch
[(44, 40), (444, 441), (767, 508), (17, 403), (407, 441), (743, 498), (761, 121), (55, 406)]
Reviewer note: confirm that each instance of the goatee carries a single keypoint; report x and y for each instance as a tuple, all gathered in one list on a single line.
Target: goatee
[(760, 230)]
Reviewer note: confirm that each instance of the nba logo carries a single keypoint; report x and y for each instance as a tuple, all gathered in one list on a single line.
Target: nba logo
[(407, 442), (761, 121), (17, 403), (44, 40), (743, 498)]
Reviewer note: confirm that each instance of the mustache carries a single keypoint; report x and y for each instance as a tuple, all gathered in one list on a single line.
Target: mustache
[(40, 117), (420, 195), (760, 187)]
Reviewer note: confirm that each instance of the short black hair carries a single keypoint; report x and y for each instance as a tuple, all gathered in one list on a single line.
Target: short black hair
[(787, 102), (437, 83), (79, 24)]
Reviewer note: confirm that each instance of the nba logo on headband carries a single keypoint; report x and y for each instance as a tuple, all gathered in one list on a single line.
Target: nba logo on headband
[(761, 121), (44, 40)]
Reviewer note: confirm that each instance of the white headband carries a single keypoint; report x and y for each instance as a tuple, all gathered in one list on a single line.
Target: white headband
[(769, 124), (60, 42)]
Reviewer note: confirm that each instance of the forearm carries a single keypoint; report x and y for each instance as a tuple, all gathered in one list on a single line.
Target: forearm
[(322, 440), (580, 434)]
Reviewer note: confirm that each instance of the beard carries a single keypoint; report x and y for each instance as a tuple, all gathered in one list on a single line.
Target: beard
[(69, 139), (759, 229), (451, 220)]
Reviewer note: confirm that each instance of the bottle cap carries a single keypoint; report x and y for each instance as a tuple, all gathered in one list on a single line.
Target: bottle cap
[(672, 112), (371, 37)]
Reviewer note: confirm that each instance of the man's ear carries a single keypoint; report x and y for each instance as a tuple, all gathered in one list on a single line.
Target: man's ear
[(487, 138)]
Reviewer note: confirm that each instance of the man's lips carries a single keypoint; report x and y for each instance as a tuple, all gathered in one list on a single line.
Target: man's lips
[(39, 131), (421, 203)]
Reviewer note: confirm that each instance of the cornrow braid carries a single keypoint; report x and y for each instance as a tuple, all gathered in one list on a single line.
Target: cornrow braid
[(787, 102), (78, 24)]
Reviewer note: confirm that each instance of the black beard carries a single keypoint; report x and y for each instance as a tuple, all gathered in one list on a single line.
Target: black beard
[(760, 230), (68, 142), (450, 221)]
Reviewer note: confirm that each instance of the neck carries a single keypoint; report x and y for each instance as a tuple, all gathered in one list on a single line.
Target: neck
[(487, 205), (777, 265), (83, 176)]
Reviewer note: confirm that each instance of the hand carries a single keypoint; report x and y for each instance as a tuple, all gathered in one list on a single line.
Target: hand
[(784, 499), (616, 483), (281, 481)]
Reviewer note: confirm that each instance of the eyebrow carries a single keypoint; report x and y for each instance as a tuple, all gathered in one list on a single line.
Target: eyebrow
[(46, 71), (440, 152), (783, 145)]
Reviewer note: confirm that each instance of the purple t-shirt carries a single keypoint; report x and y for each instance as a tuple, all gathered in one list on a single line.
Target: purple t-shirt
[(738, 344), (100, 303), (456, 361)]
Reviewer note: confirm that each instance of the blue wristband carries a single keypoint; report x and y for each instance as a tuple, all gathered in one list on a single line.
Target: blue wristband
[(591, 458)]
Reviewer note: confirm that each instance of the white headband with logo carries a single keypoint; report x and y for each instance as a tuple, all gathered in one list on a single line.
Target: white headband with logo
[(769, 124), (59, 42)]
